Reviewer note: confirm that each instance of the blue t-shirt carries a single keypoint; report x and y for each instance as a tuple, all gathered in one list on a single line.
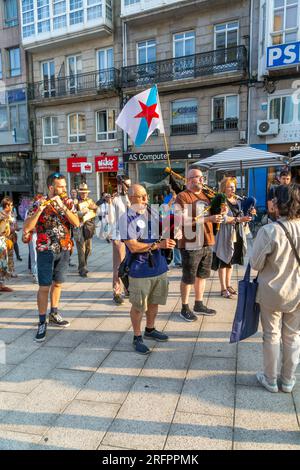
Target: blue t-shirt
[(138, 227)]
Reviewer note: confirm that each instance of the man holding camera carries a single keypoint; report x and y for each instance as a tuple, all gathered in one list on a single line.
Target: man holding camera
[(148, 283), (117, 208)]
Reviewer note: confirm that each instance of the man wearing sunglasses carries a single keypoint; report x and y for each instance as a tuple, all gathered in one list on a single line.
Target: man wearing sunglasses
[(52, 218)]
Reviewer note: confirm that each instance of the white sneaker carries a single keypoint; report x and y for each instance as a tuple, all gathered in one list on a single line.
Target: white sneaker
[(273, 388), (287, 388)]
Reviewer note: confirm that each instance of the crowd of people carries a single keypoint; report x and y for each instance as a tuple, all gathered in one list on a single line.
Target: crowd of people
[(142, 247)]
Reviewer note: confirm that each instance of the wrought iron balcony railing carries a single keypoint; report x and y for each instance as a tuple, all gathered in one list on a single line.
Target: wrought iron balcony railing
[(56, 87), (230, 124), (232, 59), (184, 129)]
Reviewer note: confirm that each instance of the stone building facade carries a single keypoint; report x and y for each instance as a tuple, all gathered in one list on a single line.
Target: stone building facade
[(15, 139), (195, 52)]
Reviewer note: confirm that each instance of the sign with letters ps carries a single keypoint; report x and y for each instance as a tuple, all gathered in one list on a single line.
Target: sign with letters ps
[(283, 55)]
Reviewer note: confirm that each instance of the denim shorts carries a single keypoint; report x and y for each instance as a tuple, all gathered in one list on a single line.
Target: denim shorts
[(196, 263), (52, 267)]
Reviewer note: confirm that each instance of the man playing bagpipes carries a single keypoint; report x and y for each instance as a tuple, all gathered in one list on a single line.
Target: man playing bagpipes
[(196, 244)]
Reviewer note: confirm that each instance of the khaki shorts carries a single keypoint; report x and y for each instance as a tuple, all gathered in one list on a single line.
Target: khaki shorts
[(148, 291)]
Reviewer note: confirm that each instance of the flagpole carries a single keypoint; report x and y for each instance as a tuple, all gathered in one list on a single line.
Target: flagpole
[(167, 151)]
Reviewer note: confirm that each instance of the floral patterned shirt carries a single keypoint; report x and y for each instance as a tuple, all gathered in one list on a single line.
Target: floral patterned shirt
[(53, 228)]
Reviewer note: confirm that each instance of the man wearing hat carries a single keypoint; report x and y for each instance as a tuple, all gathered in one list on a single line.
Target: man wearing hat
[(86, 209)]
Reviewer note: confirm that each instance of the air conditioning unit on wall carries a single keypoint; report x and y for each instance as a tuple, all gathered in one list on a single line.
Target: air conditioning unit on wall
[(268, 127)]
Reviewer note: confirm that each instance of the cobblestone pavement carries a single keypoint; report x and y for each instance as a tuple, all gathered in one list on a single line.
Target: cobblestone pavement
[(85, 387)]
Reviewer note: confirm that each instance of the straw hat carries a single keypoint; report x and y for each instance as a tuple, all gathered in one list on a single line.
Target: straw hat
[(83, 188)]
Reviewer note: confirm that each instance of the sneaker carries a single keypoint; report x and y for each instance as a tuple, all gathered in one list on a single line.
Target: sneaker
[(83, 274), (41, 332), (118, 299), (203, 310), (139, 346), (156, 335), (287, 388), (187, 314), (273, 388), (56, 320)]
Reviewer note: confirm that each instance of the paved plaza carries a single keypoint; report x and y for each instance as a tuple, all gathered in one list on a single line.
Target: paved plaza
[(85, 387)]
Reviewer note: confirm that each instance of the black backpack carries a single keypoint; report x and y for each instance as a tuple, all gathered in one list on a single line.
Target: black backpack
[(88, 229)]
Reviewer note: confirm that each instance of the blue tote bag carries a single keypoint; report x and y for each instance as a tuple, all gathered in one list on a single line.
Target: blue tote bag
[(246, 317)]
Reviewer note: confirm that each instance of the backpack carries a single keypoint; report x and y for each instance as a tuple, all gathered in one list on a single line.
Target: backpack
[(89, 229)]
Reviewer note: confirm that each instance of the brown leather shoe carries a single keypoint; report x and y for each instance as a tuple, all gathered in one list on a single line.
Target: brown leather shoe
[(5, 289)]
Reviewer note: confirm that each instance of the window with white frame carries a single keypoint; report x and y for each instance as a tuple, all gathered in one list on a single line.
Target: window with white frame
[(3, 118), (146, 51), (109, 13), (50, 130), (76, 128), (76, 11), (131, 2), (226, 35), (14, 61), (282, 108), (105, 125), (225, 112), (11, 13), (285, 21), (184, 44), (43, 16), (184, 117), (105, 64), (18, 116), (59, 14), (28, 18), (94, 9)]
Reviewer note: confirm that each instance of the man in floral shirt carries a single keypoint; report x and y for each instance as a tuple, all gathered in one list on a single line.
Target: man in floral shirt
[(52, 218)]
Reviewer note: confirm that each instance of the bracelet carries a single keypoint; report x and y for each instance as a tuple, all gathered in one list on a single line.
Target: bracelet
[(153, 245)]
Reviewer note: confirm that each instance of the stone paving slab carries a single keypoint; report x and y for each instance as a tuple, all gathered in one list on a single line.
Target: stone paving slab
[(209, 387), (264, 422), (144, 419), (42, 406), (213, 340), (196, 431), (81, 426), (17, 441), (114, 379), (195, 391)]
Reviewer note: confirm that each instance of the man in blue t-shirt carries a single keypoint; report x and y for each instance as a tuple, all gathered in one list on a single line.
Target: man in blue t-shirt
[(148, 283)]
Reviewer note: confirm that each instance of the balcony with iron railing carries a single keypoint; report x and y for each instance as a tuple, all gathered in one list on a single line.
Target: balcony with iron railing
[(196, 66), (230, 124), (90, 83), (184, 129), (131, 7)]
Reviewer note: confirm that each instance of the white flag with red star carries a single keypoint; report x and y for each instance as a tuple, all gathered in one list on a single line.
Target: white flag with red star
[(141, 116)]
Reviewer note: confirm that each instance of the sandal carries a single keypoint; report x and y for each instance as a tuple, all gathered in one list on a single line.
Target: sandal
[(231, 290), (226, 294)]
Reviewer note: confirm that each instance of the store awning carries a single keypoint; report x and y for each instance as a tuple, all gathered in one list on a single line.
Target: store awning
[(241, 157), (295, 161)]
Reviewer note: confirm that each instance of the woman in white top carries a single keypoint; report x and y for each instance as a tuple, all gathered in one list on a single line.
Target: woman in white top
[(279, 292)]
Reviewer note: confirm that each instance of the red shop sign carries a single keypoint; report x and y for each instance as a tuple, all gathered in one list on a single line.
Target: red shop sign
[(106, 163), (74, 164)]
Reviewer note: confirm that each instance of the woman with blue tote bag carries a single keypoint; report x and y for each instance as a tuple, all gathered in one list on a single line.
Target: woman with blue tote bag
[(276, 258)]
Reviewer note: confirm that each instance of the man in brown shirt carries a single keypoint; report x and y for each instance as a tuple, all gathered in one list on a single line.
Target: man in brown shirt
[(196, 244)]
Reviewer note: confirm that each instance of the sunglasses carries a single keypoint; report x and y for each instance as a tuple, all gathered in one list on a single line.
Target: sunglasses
[(57, 175)]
